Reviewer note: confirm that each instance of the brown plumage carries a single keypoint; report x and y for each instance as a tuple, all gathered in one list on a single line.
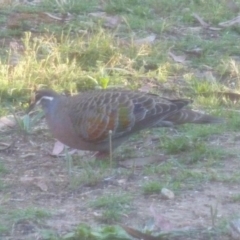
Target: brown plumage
[(83, 121)]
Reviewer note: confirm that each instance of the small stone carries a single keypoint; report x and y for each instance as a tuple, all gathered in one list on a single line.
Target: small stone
[(122, 181), (167, 193)]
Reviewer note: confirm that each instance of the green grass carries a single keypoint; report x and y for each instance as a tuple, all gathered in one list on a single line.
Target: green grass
[(113, 206), (14, 216), (75, 61), (179, 144), (236, 198), (153, 187), (90, 173), (190, 143), (31, 213), (3, 172), (3, 168)]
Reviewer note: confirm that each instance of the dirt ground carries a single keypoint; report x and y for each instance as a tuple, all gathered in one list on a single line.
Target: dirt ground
[(36, 179)]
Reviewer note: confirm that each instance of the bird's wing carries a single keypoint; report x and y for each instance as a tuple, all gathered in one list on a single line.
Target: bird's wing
[(122, 112)]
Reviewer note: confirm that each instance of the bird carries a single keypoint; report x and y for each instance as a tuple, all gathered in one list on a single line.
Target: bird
[(83, 121)]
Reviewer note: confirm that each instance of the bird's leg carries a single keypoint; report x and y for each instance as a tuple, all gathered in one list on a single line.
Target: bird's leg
[(110, 147)]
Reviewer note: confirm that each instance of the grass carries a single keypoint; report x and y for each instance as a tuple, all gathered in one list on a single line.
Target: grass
[(236, 198), (189, 142), (15, 216), (85, 53), (3, 172), (100, 50), (152, 187), (89, 174), (3, 168), (30, 213), (114, 206)]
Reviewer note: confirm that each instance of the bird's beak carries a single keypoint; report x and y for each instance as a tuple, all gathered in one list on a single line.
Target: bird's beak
[(32, 104), (31, 107)]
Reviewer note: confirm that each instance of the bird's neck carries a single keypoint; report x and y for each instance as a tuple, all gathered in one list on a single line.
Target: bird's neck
[(49, 106)]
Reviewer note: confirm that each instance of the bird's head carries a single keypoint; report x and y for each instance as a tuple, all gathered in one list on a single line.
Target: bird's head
[(43, 97)]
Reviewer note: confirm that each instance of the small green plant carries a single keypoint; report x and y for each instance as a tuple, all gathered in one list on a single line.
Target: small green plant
[(3, 169), (84, 231), (89, 173), (113, 205), (164, 169), (236, 198), (233, 121), (49, 234), (12, 216), (3, 229), (152, 187), (201, 132), (209, 154), (26, 124), (197, 153), (176, 145), (32, 213)]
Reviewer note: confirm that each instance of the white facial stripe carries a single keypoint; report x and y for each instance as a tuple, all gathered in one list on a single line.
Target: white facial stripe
[(44, 97)]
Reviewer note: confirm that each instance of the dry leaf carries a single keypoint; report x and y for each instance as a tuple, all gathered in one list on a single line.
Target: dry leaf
[(29, 21), (41, 184), (109, 20), (160, 222), (195, 29), (112, 21), (16, 53), (63, 18), (195, 51), (209, 76), (145, 89), (179, 59), (7, 121), (200, 20), (6, 146), (147, 86), (37, 181), (26, 179), (122, 181), (137, 234), (27, 155), (16, 47), (215, 28), (80, 152), (232, 22), (58, 148), (97, 14), (147, 40)]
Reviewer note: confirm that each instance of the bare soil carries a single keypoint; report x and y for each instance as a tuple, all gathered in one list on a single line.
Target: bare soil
[(37, 179)]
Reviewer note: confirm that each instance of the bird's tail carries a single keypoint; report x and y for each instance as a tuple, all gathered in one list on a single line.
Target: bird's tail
[(190, 116)]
